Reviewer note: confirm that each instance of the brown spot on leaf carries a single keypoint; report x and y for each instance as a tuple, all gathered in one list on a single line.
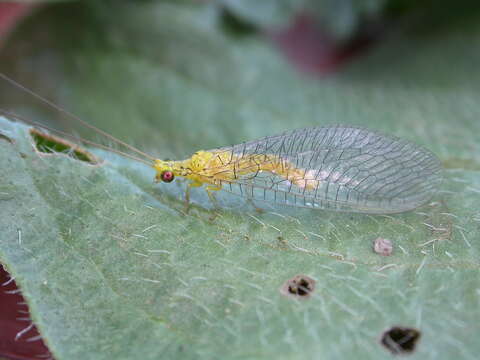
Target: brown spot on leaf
[(383, 246), (400, 340), (299, 286)]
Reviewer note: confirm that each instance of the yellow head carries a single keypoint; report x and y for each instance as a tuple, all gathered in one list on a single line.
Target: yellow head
[(165, 170), (192, 168)]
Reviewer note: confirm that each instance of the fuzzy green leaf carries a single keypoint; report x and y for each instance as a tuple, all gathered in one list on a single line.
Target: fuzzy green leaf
[(112, 267)]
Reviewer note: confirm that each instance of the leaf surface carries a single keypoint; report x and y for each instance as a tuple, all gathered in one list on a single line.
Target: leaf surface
[(112, 267)]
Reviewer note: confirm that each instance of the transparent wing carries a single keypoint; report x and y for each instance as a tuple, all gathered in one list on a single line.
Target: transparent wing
[(340, 168)]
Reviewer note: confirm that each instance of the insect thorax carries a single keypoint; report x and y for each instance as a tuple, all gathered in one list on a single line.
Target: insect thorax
[(219, 166)]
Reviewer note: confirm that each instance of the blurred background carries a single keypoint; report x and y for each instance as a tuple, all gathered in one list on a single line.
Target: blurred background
[(172, 77), (164, 74)]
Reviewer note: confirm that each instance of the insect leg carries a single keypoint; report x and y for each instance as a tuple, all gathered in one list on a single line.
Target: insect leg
[(257, 209), (211, 196), (187, 193), (250, 201)]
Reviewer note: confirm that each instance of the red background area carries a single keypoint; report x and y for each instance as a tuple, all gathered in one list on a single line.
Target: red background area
[(14, 317)]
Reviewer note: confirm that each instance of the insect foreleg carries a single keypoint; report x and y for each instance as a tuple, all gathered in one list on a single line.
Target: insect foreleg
[(187, 193)]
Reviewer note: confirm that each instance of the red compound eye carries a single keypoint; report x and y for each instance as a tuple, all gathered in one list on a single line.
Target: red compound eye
[(167, 176)]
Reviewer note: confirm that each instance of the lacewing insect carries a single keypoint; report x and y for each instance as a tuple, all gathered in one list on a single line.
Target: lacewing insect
[(341, 168)]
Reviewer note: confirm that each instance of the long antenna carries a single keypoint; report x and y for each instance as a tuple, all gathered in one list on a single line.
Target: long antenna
[(72, 137), (73, 116)]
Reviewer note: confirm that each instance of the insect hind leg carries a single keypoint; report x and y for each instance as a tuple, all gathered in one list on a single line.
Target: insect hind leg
[(249, 199), (209, 189), (257, 209)]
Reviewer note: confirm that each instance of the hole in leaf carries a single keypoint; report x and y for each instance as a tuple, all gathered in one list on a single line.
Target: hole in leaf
[(51, 144), (400, 340), (299, 286)]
